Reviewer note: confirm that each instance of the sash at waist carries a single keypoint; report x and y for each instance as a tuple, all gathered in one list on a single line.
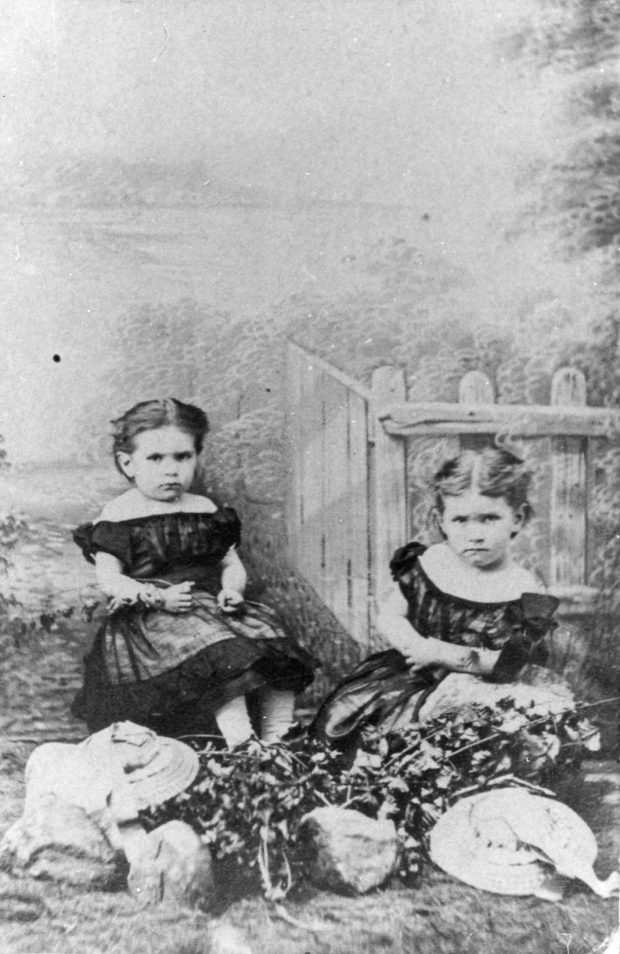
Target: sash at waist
[(204, 577)]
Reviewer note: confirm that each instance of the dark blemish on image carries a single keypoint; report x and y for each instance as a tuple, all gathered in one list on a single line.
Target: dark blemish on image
[(56, 358)]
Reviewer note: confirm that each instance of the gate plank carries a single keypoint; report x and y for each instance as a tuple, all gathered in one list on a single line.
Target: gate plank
[(358, 571), (336, 521), (387, 481), (311, 555)]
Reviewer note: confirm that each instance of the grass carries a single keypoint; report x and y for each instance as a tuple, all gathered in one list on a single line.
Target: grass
[(442, 916), (439, 918)]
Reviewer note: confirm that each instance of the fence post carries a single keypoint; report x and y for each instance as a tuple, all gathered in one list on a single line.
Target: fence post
[(475, 387), (568, 488), (388, 491)]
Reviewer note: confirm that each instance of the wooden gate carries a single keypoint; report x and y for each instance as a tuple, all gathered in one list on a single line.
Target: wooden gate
[(350, 500), (329, 519)]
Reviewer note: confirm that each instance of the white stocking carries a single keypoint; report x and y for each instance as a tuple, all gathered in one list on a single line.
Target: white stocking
[(276, 713), (233, 722)]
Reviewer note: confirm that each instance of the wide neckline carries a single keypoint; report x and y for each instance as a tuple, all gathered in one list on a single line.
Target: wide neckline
[(159, 516), (489, 604)]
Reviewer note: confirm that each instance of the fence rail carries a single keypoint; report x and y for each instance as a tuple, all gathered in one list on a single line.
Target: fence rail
[(349, 503)]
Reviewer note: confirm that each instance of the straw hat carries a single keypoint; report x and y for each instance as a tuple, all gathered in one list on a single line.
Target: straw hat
[(156, 768), (509, 841)]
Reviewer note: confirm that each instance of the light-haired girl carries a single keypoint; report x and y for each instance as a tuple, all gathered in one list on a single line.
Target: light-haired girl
[(462, 605), (180, 650)]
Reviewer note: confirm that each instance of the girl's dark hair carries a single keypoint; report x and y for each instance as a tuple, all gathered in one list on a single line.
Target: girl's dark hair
[(150, 415), (493, 471)]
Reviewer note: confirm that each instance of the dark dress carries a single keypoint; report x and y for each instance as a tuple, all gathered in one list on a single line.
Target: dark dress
[(172, 672), (382, 692)]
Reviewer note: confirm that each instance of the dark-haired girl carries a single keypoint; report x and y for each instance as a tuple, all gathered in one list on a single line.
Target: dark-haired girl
[(461, 605), (180, 650)]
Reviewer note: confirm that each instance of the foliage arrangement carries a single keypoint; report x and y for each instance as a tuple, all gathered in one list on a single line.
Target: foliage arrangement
[(247, 804)]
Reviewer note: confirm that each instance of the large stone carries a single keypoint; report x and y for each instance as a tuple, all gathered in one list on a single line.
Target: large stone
[(57, 841), (100, 789), (348, 850), (173, 865)]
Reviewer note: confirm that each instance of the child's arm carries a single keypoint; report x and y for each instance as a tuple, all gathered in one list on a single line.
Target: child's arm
[(420, 651), (124, 589), (234, 581)]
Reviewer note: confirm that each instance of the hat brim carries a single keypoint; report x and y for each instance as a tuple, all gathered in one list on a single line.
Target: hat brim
[(170, 773), (458, 849)]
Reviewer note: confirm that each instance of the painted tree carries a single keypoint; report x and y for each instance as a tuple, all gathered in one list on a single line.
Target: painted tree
[(579, 200), (579, 190)]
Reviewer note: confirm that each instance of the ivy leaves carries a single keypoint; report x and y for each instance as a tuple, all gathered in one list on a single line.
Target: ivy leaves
[(247, 803)]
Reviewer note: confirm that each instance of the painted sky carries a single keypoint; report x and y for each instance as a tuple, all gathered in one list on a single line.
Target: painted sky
[(400, 105), (364, 101)]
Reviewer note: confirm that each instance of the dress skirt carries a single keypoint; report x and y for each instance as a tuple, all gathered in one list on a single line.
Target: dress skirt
[(185, 698)]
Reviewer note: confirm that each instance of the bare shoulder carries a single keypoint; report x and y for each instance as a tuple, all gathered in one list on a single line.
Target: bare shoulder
[(197, 503), (132, 505), (439, 563), (393, 603), (122, 507), (525, 580), (437, 554)]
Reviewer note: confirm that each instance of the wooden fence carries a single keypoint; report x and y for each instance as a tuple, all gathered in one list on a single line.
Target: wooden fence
[(349, 501)]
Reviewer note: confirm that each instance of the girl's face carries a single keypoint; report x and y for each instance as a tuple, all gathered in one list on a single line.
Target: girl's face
[(162, 463), (479, 528)]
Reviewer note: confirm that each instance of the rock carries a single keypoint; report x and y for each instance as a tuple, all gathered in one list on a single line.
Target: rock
[(226, 939), (348, 850), (57, 841), (173, 865)]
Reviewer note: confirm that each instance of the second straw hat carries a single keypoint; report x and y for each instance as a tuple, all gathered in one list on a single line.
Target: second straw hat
[(509, 841), (157, 768)]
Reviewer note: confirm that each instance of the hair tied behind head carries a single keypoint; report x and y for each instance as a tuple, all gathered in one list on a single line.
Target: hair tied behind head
[(151, 415), (493, 471)]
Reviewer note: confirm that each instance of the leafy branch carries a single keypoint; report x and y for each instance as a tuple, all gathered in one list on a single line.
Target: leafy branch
[(247, 804)]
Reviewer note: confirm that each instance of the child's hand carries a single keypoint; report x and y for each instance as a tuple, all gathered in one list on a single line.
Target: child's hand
[(178, 598), (450, 656), (468, 659), (416, 665), (230, 601)]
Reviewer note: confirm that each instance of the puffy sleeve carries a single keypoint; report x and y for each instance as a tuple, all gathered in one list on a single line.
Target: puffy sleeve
[(404, 558), (229, 527), (103, 537), (532, 619)]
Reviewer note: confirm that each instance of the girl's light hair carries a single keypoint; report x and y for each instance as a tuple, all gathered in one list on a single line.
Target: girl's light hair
[(151, 415), (493, 471)]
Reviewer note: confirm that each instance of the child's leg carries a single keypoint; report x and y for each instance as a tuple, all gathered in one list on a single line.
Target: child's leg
[(233, 722), (276, 713)]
